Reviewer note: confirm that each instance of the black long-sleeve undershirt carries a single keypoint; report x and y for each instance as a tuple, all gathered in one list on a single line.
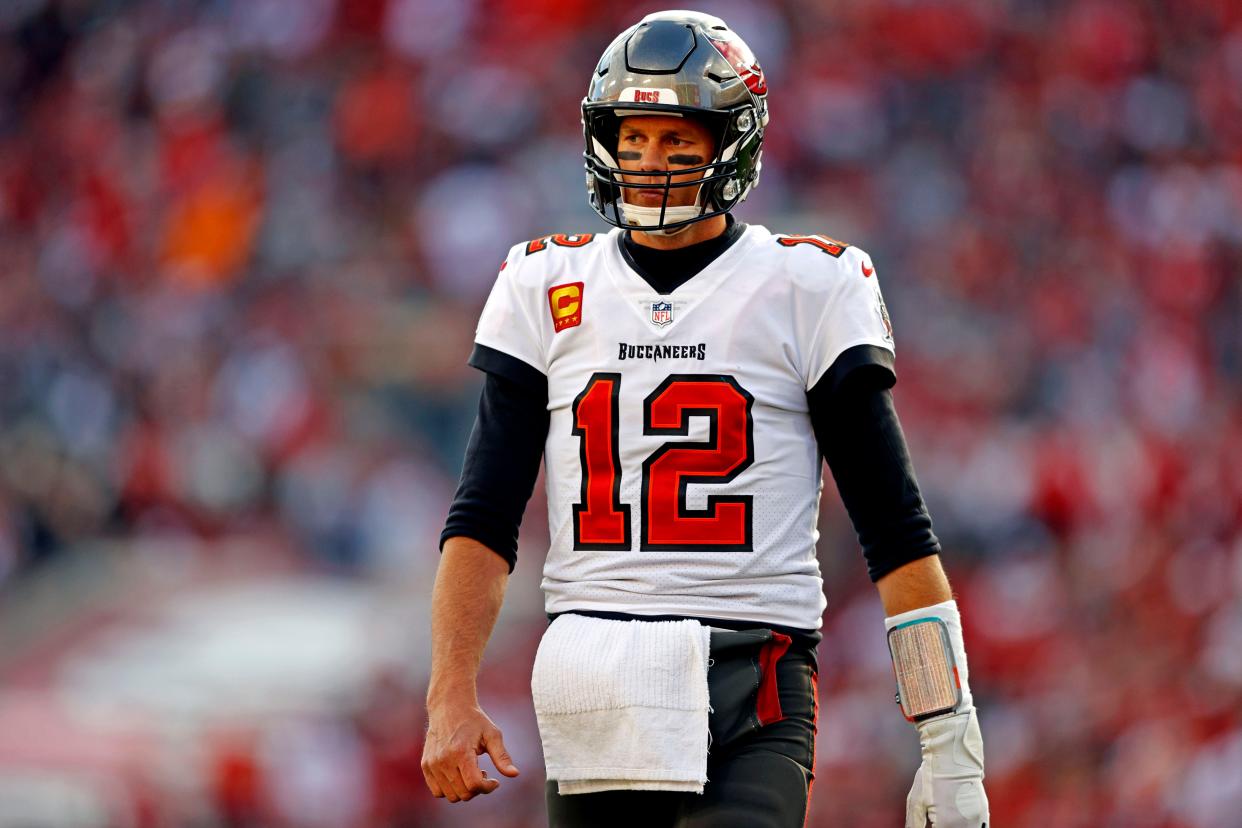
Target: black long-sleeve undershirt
[(502, 457), (861, 439)]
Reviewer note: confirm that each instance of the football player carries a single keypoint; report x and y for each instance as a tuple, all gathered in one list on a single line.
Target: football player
[(680, 377)]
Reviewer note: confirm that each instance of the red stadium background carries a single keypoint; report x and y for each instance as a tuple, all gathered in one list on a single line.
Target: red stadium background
[(244, 244)]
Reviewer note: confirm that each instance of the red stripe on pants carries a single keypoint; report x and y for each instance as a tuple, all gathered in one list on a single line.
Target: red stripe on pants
[(814, 742), (768, 707)]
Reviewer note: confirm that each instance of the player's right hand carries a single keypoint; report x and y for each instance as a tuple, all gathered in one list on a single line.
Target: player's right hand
[(457, 735)]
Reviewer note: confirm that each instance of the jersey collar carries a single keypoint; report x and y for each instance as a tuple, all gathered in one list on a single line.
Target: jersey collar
[(667, 270)]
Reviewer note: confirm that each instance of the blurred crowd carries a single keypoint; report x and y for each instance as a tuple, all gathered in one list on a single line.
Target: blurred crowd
[(244, 244)]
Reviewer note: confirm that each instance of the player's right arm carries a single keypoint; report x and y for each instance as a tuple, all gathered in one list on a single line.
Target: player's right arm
[(479, 549), (469, 590), (479, 542)]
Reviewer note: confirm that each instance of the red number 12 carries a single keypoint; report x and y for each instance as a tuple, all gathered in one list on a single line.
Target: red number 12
[(602, 521)]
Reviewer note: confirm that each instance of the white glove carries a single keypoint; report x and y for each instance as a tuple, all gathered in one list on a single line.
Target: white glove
[(948, 786)]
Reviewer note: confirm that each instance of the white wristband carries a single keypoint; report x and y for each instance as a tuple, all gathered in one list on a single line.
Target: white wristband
[(929, 661)]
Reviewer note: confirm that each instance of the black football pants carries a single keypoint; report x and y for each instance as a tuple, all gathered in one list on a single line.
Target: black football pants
[(760, 766)]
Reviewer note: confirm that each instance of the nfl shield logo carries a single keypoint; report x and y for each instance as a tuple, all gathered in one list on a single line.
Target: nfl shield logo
[(661, 313)]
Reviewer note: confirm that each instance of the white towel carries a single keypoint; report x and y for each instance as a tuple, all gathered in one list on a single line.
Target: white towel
[(622, 705)]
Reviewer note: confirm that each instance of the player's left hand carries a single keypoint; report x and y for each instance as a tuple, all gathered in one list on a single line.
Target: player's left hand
[(948, 786)]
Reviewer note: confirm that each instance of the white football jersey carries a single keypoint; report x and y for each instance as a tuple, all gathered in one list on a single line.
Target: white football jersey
[(683, 475)]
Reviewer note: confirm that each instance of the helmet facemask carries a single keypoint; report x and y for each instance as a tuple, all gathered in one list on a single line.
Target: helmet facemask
[(719, 183)]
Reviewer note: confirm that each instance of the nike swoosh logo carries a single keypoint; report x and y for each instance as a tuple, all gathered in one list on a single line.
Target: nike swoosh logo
[(867, 271)]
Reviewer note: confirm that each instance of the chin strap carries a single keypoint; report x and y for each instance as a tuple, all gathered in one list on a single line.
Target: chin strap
[(933, 689), (640, 218)]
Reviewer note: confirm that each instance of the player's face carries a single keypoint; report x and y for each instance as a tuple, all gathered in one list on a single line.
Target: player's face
[(658, 143)]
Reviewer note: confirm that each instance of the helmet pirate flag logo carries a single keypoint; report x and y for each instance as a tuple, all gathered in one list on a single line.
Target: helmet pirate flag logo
[(742, 59)]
